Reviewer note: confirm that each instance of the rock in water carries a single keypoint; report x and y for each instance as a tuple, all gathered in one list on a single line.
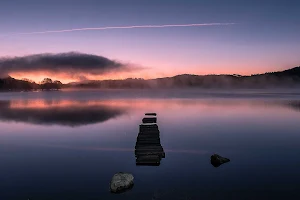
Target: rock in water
[(217, 160), (120, 182)]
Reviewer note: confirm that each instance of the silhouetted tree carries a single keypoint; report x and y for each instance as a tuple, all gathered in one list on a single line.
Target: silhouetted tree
[(28, 80), (46, 80), (48, 84), (57, 84)]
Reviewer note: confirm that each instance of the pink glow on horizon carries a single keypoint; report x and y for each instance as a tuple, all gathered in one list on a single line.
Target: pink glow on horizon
[(160, 62), (161, 58), (145, 74)]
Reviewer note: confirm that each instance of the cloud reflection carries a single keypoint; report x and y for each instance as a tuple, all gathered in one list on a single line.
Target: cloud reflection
[(58, 112)]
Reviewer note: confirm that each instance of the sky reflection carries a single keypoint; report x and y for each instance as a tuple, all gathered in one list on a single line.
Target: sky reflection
[(256, 134)]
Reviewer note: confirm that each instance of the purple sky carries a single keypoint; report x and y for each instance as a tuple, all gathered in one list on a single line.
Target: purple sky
[(264, 38)]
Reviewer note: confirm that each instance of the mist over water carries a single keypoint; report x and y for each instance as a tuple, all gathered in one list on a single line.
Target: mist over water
[(68, 144), (96, 94)]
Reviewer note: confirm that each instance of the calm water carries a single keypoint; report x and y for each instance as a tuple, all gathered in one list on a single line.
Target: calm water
[(68, 145)]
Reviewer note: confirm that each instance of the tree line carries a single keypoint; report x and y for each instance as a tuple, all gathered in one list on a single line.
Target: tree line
[(11, 84)]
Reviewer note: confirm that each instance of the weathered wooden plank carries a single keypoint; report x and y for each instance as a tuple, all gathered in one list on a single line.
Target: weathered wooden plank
[(149, 147), (148, 135), (152, 114), (149, 120), (153, 152), (150, 151), (139, 149), (148, 141), (149, 130), (145, 144), (145, 163), (149, 126), (148, 159), (143, 140), (142, 153)]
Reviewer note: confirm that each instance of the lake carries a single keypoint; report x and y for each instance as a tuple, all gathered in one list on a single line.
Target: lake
[(67, 145)]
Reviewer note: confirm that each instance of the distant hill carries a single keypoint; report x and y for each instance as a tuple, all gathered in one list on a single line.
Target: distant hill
[(282, 79), (287, 78)]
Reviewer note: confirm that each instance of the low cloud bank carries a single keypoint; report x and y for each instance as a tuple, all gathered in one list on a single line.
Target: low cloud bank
[(74, 64)]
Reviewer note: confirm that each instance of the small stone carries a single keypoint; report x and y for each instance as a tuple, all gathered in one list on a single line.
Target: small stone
[(217, 160), (120, 182)]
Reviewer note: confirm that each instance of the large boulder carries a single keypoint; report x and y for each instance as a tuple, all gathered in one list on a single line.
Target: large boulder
[(120, 182), (217, 160)]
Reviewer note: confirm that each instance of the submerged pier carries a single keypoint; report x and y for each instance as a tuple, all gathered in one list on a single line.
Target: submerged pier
[(148, 149)]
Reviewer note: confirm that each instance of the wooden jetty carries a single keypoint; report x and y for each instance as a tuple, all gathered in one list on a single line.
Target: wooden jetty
[(148, 150)]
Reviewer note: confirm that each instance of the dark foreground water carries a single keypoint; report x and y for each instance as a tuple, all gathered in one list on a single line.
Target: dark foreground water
[(68, 145)]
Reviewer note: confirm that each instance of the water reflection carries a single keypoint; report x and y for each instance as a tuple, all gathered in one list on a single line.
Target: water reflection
[(78, 113), (40, 161), (66, 113), (294, 105)]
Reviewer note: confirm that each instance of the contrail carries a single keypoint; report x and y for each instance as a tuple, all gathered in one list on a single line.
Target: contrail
[(120, 27)]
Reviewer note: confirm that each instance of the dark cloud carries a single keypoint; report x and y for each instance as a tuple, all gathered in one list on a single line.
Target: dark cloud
[(65, 116), (71, 63)]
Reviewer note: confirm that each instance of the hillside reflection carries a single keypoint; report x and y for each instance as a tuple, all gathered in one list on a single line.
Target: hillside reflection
[(66, 113), (74, 113)]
